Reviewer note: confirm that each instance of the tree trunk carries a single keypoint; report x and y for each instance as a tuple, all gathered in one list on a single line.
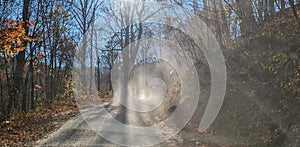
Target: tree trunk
[(265, 8), (18, 81), (216, 23), (272, 8), (291, 2), (245, 12), (282, 4)]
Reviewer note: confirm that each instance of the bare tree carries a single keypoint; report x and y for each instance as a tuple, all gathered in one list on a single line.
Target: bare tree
[(84, 13)]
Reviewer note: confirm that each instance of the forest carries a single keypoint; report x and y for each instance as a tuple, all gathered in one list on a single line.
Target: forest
[(46, 46)]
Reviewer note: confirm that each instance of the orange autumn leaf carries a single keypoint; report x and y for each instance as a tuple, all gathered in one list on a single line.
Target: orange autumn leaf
[(31, 24), (58, 6), (21, 134), (13, 38), (240, 21), (20, 49), (12, 22), (19, 41)]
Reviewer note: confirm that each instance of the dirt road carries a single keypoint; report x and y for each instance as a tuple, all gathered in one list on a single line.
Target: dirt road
[(78, 132), (246, 119)]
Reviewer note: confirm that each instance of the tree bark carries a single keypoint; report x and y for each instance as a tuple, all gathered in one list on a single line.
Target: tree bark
[(282, 4), (18, 81), (291, 2), (272, 8), (246, 13)]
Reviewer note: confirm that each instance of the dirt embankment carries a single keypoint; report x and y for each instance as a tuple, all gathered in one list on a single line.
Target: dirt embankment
[(255, 109)]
